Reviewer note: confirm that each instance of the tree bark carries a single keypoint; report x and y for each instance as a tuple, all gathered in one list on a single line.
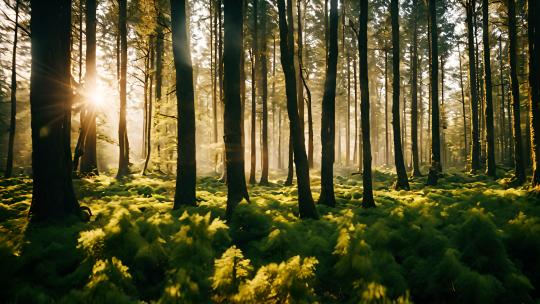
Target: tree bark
[(328, 121), (263, 60), (89, 156), (414, 94), (305, 200), (534, 87), (123, 161), (253, 57), (50, 102), (463, 106), (13, 95), (402, 181), (435, 168), (150, 105), (232, 51), (475, 152), (491, 169), (186, 161), (367, 197), (519, 165)]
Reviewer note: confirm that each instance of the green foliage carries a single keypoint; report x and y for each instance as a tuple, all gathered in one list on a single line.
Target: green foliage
[(467, 241)]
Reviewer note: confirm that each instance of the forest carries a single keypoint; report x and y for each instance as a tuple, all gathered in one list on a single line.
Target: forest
[(270, 151)]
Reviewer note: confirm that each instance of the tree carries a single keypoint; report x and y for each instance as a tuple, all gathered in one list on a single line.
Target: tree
[(367, 197), (414, 93), (234, 158), (186, 167), (305, 200), (402, 180), (328, 120), (50, 101), (89, 156), (13, 94), (254, 52), (263, 59), (435, 168), (491, 168), (534, 86), (475, 138), (123, 160), (519, 166)]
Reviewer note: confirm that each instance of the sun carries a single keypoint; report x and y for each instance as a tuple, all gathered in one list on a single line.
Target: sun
[(95, 97)]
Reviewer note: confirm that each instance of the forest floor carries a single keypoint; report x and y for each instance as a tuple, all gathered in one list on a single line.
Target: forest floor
[(470, 239)]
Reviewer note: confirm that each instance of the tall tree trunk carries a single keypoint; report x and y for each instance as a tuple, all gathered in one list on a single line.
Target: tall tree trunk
[(89, 157), (435, 168), (367, 197), (186, 167), (305, 200), (328, 123), (464, 113), (254, 63), (348, 123), (50, 103), (298, 62), (232, 51), (386, 129), (402, 181), (502, 114), (475, 152), (534, 87), (214, 70), (491, 169), (263, 60), (414, 94), (150, 105), (519, 165), (357, 156), (123, 161), (13, 116), (160, 36)]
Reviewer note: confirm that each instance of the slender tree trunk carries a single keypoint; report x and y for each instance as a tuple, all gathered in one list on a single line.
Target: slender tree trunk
[(160, 36), (435, 168), (402, 180), (464, 113), (348, 122), (233, 37), (214, 70), (414, 94), (150, 105), (519, 165), (534, 87), (357, 157), (503, 116), (186, 167), (89, 157), (475, 153), (263, 60), (50, 102), (290, 161), (13, 116), (328, 123), (305, 200), (123, 163), (491, 169), (254, 63), (386, 129), (367, 197)]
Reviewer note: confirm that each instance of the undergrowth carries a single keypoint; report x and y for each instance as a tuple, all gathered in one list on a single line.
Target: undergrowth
[(469, 240)]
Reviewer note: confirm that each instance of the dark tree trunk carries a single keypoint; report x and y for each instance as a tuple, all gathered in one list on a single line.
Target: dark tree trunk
[(502, 115), (263, 60), (491, 169), (328, 121), (232, 51), (414, 95), (50, 102), (290, 161), (386, 129), (357, 157), (150, 105), (254, 63), (305, 200), (534, 86), (402, 180), (367, 197), (89, 157), (519, 165), (13, 116), (475, 151), (214, 69), (435, 168), (463, 106), (123, 161), (186, 167)]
